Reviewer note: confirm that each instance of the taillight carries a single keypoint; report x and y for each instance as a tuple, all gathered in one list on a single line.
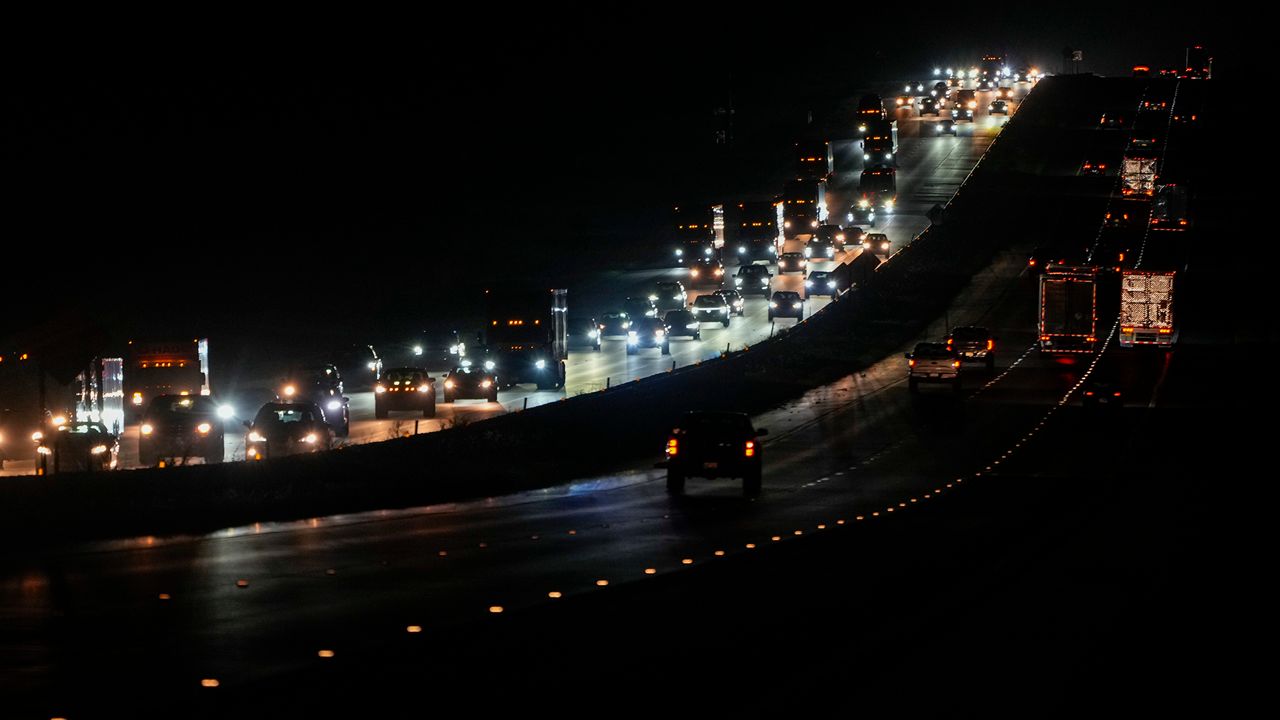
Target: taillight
[(955, 363), (911, 363), (673, 447), (991, 344), (1116, 393), (1088, 393), (751, 449)]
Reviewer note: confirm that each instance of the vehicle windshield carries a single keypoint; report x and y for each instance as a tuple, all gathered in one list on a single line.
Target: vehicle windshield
[(931, 351), (969, 334), (753, 270), (786, 295), (183, 405), (667, 287), (284, 415), (404, 376), (679, 316), (614, 316), (468, 370), (708, 301), (818, 275), (84, 428)]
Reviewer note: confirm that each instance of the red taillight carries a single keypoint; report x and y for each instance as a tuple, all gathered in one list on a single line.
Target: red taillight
[(1088, 393), (911, 363), (1032, 262), (991, 344), (1116, 393), (955, 363), (751, 449), (673, 447)]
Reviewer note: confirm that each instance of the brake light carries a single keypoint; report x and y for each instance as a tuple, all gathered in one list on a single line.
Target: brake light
[(673, 447), (1032, 262), (1088, 393), (991, 344), (911, 363), (751, 449), (955, 363), (1116, 393)]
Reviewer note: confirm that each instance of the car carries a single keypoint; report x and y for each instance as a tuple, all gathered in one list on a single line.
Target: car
[(752, 279), (1043, 257), (683, 323), (932, 362), (469, 382), (648, 333), (358, 364), (998, 107), (853, 234), (820, 282), (877, 243), (1005, 93), (914, 88), (940, 90), (706, 270), (404, 389), (962, 113), (323, 386), (953, 81), (614, 324), (833, 234), (786, 303), (287, 428), (970, 342), (732, 298), (668, 295), (985, 85), (818, 249), (930, 106), (1092, 167), (715, 445), (79, 447), (639, 307), (862, 215), (903, 102), (791, 262), (1113, 121), (1098, 393), (945, 127), (178, 428), (711, 308), (1021, 75)]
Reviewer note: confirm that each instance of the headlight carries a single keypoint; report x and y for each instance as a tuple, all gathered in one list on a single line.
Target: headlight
[(204, 428), (743, 248), (679, 253), (98, 449), (146, 429), (44, 450), (808, 283), (373, 366), (866, 156), (691, 326), (796, 305), (137, 398), (310, 438), (631, 336), (226, 412), (773, 304), (255, 436), (693, 272), (423, 388), (417, 349), (486, 383), (737, 281), (659, 333), (541, 364), (813, 223), (831, 283), (593, 334), (808, 252), (334, 405), (448, 384), (288, 390), (764, 282), (489, 365), (786, 223), (379, 389), (653, 298)]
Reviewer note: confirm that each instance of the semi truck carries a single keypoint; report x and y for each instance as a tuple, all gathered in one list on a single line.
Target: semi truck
[(880, 143), (1146, 308), (1138, 175), (526, 336), (804, 207), (699, 232), (814, 160), (1199, 64), (760, 225), (165, 367), (1068, 309), (1169, 208), (870, 107), (878, 189)]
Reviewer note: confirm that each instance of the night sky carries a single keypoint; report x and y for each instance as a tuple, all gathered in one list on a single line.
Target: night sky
[(232, 176)]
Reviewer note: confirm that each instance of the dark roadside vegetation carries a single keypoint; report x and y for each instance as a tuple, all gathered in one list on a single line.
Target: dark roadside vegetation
[(554, 444)]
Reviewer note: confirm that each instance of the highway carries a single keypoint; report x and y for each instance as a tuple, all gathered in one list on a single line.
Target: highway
[(269, 605)]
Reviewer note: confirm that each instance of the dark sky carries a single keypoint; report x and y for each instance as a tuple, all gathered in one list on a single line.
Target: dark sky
[(239, 160)]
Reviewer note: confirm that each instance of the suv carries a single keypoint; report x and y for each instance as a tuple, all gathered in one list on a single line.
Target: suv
[(711, 308), (614, 323), (287, 429), (786, 303), (467, 382), (706, 270), (732, 298), (819, 249), (180, 427), (668, 295), (833, 234), (715, 445), (647, 333), (682, 323), (791, 262), (752, 279), (639, 307), (973, 343), (932, 363), (929, 106), (877, 243), (323, 386), (404, 388), (820, 282), (998, 107)]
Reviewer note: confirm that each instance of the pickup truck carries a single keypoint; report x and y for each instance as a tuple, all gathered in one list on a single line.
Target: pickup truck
[(932, 363)]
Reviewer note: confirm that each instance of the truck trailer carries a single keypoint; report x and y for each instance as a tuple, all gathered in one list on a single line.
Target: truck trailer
[(1068, 309), (1138, 175), (760, 226), (1146, 308), (526, 336), (814, 160)]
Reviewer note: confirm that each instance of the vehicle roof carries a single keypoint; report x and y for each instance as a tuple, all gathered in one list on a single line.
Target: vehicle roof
[(712, 299), (931, 348), (650, 321), (752, 269), (793, 253)]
